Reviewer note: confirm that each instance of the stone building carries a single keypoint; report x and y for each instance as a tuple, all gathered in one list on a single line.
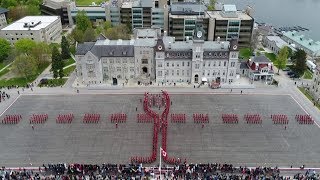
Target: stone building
[(151, 57)]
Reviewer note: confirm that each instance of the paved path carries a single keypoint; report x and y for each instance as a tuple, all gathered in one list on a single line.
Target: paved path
[(5, 67)]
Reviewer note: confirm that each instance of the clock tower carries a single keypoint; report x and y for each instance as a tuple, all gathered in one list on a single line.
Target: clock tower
[(197, 52)]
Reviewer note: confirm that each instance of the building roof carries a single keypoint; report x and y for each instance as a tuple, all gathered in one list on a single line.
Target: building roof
[(229, 8), (107, 48), (187, 8), (239, 15), (303, 41), (243, 65), (145, 42), (146, 33), (3, 10), (260, 59), (39, 22), (278, 41)]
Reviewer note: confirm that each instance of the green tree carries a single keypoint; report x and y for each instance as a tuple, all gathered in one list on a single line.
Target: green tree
[(24, 65), (118, 32), (299, 59), (8, 3), (65, 48), (4, 50), (282, 58), (107, 25), (77, 35), (212, 5), (89, 35), (56, 60), (41, 53), (24, 46), (82, 21)]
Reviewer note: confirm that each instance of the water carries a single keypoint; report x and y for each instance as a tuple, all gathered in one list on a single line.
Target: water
[(280, 13)]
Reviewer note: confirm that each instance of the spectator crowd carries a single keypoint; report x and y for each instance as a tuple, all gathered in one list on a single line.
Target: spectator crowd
[(136, 171)]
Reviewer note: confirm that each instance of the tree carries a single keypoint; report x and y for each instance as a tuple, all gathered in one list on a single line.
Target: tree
[(254, 40), (282, 58), (118, 32), (56, 60), (299, 59), (4, 50), (40, 52), (77, 35), (212, 5), (24, 65), (82, 21), (8, 3), (24, 46), (89, 35), (107, 25), (65, 48)]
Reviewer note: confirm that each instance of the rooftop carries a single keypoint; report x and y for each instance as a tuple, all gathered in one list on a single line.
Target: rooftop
[(3, 10), (279, 42), (239, 15), (146, 33), (39, 22), (260, 59), (303, 41), (187, 8)]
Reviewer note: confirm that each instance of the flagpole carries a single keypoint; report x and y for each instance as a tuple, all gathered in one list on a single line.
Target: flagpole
[(160, 163)]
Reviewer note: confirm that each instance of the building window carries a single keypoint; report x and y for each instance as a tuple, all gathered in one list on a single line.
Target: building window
[(188, 63), (225, 63), (172, 72), (203, 73), (182, 72), (209, 64), (178, 72), (160, 65), (188, 72), (214, 63), (118, 69), (197, 66), (208, 72), (178, 65), (144, 61), (219, 63), (167, 64), (172, 64), (233, 64), (182, 63), (159, 73)]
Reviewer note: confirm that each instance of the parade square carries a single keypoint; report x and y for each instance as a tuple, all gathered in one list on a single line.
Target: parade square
[(239, 144)]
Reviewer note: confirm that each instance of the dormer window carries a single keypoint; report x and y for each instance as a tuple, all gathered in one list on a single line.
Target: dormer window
[(124, 53), (111, 53)]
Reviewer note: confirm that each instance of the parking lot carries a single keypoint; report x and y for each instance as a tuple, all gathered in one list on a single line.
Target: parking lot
[(243, 144)]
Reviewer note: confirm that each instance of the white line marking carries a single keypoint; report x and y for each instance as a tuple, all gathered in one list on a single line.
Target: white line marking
[(10, 105), (304, 110)]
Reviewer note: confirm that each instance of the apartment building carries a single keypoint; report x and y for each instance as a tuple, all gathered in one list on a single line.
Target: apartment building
[(3, 19), (58, 8), (38, 28)]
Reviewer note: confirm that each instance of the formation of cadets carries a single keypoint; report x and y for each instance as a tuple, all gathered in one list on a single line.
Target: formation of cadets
[(279, 119), (65, 118), (91, 118), (200, 118), (144, 118), (118, 118), (178, 118), (38, 118), (253, 118), (12, 119), (4, 96), (230, 118), (304, 119)]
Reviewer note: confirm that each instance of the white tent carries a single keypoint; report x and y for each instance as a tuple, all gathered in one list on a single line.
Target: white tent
[(204, 79)]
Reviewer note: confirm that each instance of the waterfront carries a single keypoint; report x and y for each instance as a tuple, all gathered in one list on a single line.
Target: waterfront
[(281, 13)]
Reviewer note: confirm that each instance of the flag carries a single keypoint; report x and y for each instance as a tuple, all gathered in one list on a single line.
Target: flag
[(163, 153)]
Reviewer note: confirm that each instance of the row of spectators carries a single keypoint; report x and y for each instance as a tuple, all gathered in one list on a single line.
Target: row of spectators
[(131, 171)]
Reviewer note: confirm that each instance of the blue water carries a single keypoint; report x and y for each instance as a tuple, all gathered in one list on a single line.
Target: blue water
[(280, 13)]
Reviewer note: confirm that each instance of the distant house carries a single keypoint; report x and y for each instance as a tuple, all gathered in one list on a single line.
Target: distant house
[(275, 43), (3, 20), (260, 68)]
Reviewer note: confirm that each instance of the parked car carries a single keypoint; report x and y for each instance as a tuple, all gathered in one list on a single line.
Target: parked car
[(286, 69), (294, 75), (290, 73)]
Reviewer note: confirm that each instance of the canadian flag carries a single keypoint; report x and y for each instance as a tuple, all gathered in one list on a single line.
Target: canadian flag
[(164, 153)]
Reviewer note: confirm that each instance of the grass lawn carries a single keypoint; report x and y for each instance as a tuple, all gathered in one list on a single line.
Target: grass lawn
[(271, 56), (88, 2), (68, 62), (54, 82), (305, 92), (307, 74), (245, 53), (22, 81), (69, 70)]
